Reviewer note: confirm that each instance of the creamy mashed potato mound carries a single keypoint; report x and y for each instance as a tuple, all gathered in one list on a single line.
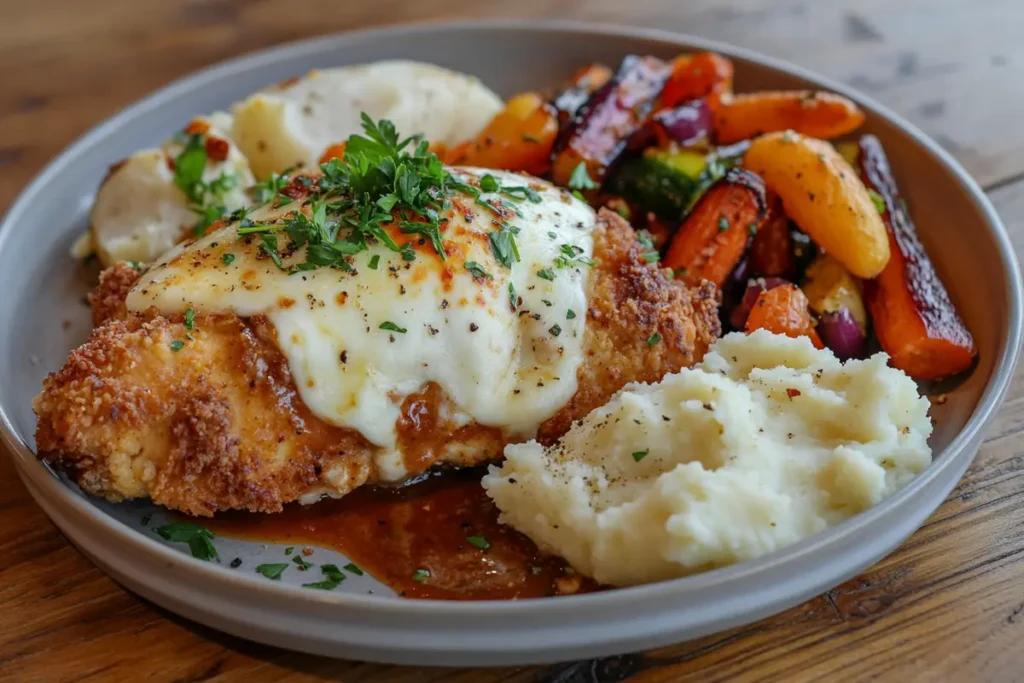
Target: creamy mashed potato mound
[(765, 442), (293, 123)]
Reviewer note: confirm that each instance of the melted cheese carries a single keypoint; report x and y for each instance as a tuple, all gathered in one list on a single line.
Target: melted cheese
[(291, 124), (507, 368)]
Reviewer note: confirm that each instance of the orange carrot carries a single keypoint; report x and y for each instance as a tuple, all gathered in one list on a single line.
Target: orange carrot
[(519, 138), (815, 114), (771, 251), (783, 310), (712, 239), (704, 74), (335, 151), (914, 319)]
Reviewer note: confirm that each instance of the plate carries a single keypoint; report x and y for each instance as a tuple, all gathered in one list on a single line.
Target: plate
[(42, 316)]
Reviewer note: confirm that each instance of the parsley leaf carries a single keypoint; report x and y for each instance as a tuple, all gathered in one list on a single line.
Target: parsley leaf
[(653, 339), (421, 575), (188, 169), (480, 542), (640, 455), (513, 297), (580, 178), (388, 325), (877, 200), (177, 345), (570, 314), (303, 565), (546, 273), (478, 271), (228, 259), (190, 318), (503, 245), (272, 571), (199, 538), (354, 569)]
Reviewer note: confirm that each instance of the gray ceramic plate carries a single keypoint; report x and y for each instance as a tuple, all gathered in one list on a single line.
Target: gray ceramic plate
[(43, 288)]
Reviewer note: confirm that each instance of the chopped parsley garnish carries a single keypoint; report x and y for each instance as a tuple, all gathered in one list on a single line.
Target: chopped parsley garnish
[(177, 345), (513, 297), (478, 271), (640, 455), (480, 542), (353, 568), (264, 193), (374, 261), (136, 266), (421, 575), (303, 565), (752, 229), (228, 259), (503, 246), (535, 570), (190, 318), (332, 578), (580, 178), (723, 224), (552, 235), (390, 326), (578, 195), (546, 302), (653, 339), (555, 330), (272, 571), (145, 520), (570, 314), (489, 183), (546, 273), (650, 254), (188, 169), (199, 539), (289, 550), (521, 192), (878, 200), (531, 138), (571, 255)]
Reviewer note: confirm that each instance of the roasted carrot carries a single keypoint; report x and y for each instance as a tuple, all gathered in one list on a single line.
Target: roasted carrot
[(335, 151), (704, 74), (519, 138), (914, 319), (771, 251), (783, 310), (714, 236), (815, 114), (599, 132)]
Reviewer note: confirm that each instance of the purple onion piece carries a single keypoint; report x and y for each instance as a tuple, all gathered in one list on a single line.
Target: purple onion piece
[(688, 123), (739, 315), (842, 334)]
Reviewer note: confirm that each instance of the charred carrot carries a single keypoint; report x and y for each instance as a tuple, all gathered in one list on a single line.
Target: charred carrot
[(714, 236), (704, 74), (783, 310), (335, 151), (814, 114), (771, 251), (518, 138), (598, 133), (914, 319)]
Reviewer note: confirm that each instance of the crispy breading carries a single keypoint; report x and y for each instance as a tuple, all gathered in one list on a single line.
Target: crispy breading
[(107, 300), (218, 424)]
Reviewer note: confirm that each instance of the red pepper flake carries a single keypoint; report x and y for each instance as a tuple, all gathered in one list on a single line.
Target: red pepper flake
[(217, 149), (792, 393)]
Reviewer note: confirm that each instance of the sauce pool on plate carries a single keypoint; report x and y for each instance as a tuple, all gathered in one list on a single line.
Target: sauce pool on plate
[(438, 538)]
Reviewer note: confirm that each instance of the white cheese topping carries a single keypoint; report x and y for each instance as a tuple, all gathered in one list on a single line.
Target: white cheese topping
[(507, 368)]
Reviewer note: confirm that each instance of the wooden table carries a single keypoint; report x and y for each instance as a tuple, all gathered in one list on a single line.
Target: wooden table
[(948, 605)]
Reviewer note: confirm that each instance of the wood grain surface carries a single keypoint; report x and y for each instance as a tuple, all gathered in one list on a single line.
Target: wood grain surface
[(947, 606)]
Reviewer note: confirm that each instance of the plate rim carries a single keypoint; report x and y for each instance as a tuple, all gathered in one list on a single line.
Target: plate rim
[(988, 403)]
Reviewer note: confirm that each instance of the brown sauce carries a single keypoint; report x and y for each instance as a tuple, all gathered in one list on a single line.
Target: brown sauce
[(399, 534)]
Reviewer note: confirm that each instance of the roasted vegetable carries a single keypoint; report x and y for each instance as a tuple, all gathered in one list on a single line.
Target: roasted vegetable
[(815, 114), (771, 251), (685, 125), (599, 132), (583, 83), (660, 181), (740, 313), (914, 319), (711, 241), (783, 310), (824, 196), (841, 333), (830, 287), (704, 74), (519, 138)]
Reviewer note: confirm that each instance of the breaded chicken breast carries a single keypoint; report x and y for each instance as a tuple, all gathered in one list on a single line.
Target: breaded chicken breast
[(219, 423)]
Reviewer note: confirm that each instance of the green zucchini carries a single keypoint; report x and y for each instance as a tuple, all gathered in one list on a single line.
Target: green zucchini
[(660, 181)]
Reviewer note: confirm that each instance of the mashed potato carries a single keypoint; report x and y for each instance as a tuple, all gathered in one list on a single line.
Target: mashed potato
[(291, 124), (765, 442)]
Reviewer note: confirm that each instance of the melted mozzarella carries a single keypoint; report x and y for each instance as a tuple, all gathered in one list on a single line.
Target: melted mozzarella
[(292, 124), (140, 213), (507, 368)]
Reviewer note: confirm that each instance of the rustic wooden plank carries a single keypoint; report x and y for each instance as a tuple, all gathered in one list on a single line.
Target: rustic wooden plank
[(946, 606)]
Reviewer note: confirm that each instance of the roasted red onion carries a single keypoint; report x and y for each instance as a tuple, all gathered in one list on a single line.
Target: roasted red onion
[(842, 334), (686, 124)]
